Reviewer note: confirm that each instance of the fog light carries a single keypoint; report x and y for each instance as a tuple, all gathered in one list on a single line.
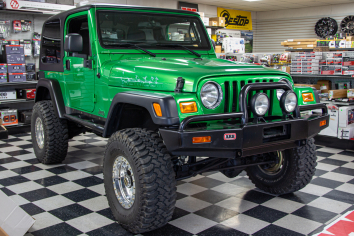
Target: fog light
[(288, 101), (260, 104), (204, 139), (307, 97), (188, 107)]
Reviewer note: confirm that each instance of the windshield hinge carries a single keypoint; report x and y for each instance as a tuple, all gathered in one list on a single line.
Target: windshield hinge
[(179, 85), (94, 98)]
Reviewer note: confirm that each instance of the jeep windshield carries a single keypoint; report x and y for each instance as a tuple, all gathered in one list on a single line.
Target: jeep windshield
[(151, 30)]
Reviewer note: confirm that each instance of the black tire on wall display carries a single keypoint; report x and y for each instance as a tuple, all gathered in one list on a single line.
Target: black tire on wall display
[(347, 25), (326, 27)]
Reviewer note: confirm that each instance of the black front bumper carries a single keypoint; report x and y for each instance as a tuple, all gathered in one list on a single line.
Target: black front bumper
[(250, 138)]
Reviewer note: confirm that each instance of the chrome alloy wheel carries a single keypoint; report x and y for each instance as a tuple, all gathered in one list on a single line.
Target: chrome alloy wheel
[(274, 168), (39, 133), (123, 182)]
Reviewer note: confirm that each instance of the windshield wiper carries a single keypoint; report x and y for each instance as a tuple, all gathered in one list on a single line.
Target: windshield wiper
[(179, 45), (134, 45)]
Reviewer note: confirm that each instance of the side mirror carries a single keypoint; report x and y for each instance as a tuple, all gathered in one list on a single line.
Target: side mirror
[(73, 43)]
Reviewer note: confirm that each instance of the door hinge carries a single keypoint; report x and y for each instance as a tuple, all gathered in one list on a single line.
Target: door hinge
[(94, 98)]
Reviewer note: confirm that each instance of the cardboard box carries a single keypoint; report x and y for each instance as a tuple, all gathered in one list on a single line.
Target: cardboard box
[(14, 49), (286, 69), (9, 117), (13, 220), (213, 23), (316, 86), (332, 129), (220, 21), (350, 93), (346, 116), (17, 77), (3, 68), (346, 133), (325, 85), (338, 93), (217, 49), (206, 21), (16, 68), (348, 61)]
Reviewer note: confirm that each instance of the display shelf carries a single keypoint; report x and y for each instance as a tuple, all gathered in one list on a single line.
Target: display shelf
[(17, 85), (341, 49), (299, 50), (27, 12), (214, 27), (349, 103), (5, 102)]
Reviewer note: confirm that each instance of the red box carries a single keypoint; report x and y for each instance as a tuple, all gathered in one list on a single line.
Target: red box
[(348, 61), (30, 94)]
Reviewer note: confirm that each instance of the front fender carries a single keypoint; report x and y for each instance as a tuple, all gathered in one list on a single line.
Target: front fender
[(300, 90)]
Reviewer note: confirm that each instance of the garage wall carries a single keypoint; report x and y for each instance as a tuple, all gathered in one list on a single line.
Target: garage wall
[(272, 27)]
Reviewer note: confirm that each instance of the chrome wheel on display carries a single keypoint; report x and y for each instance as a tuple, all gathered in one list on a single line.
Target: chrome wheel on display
[(123, 182), (39, 132)]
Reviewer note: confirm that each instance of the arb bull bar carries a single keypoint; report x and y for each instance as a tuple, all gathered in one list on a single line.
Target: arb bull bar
[(243, 138)]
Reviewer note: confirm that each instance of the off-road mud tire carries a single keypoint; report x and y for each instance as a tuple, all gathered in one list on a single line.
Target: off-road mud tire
[(298, 169), (55, 134), (155, 184)]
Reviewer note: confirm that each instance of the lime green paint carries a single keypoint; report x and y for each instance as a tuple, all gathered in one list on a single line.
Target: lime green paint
[(123, 70)]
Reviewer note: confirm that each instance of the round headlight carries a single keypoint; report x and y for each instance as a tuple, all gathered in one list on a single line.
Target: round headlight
[(260, 104), (279, 93), (288, 101), (211, 95)]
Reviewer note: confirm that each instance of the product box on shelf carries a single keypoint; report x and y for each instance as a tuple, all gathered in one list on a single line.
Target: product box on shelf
[(8, 95), (345, 132), (31, 76), (316, 86), (14, 49), (17, 77), (350, 93), (25, 117), (206, 21), (30, 67), (3, 77), (346, 116), (325, 85), (338, 93), (15, 58), (27, 46), (348, 70), (332, 129), (3, 68), (9, 117), (30, 94), (286, 69), (348, 61), (343, 85), (16, 68), (220, 21), (328, 70)]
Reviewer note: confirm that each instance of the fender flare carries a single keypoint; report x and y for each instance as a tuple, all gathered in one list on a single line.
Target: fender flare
[(56, 95), (143, 99)]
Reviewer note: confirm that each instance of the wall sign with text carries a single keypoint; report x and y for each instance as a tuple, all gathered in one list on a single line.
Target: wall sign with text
[(235, 19)]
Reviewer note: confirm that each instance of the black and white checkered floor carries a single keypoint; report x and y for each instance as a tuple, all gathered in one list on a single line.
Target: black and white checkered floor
[(68, 199)]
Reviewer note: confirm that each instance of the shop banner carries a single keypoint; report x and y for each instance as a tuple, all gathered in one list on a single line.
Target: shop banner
[(235, 19)]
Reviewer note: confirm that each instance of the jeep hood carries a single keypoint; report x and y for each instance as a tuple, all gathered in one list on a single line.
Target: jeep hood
[(161, 73)]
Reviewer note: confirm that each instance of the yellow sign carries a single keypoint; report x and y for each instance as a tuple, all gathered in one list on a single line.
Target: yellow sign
[(235, 19)]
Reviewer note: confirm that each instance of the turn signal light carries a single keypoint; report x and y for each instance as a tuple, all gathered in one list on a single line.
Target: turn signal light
[(188, 107), (307, 97), (157, 109), (323, 122), (205, 139)]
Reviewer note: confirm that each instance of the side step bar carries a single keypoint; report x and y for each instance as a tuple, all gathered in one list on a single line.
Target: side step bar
[(88, 124)]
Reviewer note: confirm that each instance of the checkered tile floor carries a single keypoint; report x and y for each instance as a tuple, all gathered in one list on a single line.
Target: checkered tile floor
[(68, 199)]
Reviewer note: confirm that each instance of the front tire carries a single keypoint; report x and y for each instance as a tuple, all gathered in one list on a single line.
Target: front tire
[(139, 180), (49, 134), (294, 170)]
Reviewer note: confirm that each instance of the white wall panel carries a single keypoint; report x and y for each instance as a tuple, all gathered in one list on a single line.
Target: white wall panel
[(272, 27)]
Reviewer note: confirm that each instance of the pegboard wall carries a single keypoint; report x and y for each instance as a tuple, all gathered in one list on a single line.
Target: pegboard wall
[(37, 23)]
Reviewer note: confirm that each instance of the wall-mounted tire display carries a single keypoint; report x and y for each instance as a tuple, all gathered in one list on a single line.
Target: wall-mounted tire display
[(326, 27), (347, 25)]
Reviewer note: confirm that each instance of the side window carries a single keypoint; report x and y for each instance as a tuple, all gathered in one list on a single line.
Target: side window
[(50, 52), (79, 25)]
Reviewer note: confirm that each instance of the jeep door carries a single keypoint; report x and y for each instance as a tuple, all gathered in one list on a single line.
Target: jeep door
[(78, 73)]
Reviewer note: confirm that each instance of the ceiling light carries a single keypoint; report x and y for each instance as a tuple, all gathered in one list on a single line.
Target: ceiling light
[(252, 0)]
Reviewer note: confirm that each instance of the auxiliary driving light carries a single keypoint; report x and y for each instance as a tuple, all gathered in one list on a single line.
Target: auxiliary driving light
[(260, 104), (288, 101)]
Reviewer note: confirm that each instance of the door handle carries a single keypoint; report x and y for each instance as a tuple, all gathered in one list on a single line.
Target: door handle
[(67, 64)]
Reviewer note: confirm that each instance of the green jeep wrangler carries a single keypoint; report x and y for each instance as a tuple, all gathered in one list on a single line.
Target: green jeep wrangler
[(149, 80)]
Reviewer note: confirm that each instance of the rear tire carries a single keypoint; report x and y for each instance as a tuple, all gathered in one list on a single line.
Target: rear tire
[(139, 180), (49, 134), (297, 169)]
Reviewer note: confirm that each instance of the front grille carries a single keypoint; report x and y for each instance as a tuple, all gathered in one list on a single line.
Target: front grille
[(232, 91)]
